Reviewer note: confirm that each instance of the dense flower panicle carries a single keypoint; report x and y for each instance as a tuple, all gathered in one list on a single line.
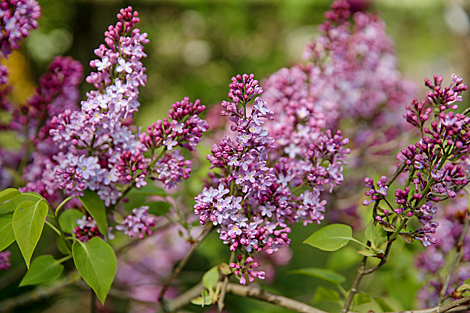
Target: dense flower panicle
[(4, 260), (137, 223), (437, 164), (17, 18), (255, 198)]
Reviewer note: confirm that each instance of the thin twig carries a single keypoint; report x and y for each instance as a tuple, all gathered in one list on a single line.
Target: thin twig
[(382, 262), (451, 305), (355, 285), (180, 266), (456, 259), (220, 303)]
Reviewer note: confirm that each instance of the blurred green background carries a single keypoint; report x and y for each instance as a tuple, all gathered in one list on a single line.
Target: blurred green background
[(195, 47)]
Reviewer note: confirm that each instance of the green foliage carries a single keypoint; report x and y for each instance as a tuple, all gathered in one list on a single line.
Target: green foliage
[(331, 237), (9, 193), (43, 269), (28, 223), (96, 263), (95, 206), (158, 208), (13, 202), (211, 277), (7, 237), (68, 219), (322, 273), (326, 294)]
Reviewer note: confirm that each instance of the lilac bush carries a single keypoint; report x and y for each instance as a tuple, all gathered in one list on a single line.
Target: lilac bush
[(86, 172)]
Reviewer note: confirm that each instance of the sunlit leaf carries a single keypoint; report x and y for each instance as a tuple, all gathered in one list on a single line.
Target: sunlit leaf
[(97, 263), (211, 277), (43, 269), (28, 223), (68, 219), (7, 237), (95, 206), (331, 237), (12, 204)]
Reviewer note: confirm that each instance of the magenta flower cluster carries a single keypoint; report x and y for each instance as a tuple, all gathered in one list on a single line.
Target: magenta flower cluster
[(245, 268), (17, 18), (437, 165)]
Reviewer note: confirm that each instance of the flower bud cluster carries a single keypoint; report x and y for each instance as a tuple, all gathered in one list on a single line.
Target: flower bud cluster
[(137, 223), (17, 18), (86, 229), (437, 164), (244, 269)]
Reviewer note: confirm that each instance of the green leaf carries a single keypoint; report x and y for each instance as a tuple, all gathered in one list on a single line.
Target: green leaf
[(13, 203), (362, 298), (211, 277), (7, 237), (383, 305), (463, 287), (9, 193), (95, 206), (62, 246), (96, 262), (367, 252), (325, 294), (331, 237), (149, 190), (68, 219), (322, 273), (376, 235), (158, 207), (28, 223), (43, 269)]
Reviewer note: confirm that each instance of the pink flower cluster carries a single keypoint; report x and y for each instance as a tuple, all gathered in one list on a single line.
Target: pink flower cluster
[(4, 260), (137, 223), (246, 268), (17, 17)]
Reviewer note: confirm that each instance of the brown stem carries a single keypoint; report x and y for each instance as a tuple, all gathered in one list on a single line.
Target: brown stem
[(355, 285), (180, 266), (451, 305), (220, 303), (457, 256)]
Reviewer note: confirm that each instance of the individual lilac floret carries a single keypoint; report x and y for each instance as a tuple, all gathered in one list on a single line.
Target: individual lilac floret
[(86, 229), (17, 18), (245, 269), (138, 223), (4, 260)]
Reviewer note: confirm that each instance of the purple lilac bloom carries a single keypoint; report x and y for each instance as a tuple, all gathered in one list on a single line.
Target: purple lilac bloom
[(254, 198), (137, 223), (17, 18), (4, 260)]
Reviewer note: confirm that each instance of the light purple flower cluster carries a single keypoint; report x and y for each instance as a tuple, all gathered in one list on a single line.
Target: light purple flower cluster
[(256, 195), (17, 17), (245, 267), (137, 223), (437, 165), (4, 260), (431, 261)]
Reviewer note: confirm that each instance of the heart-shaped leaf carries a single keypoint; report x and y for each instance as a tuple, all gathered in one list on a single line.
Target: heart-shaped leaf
[(9, 193), (322, 273), (96, 262), (7, 237), (331, 237), (28, 223), (95, 206), (43, 269), (12, 203)]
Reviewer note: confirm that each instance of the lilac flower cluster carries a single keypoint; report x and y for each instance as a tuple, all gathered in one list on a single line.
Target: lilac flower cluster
[(57, 91), (255, 196), (17, 17), (437, 164), (86, 229), (431, 261), (4, 260), (139, 222), (349, 77), (246, 268)]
